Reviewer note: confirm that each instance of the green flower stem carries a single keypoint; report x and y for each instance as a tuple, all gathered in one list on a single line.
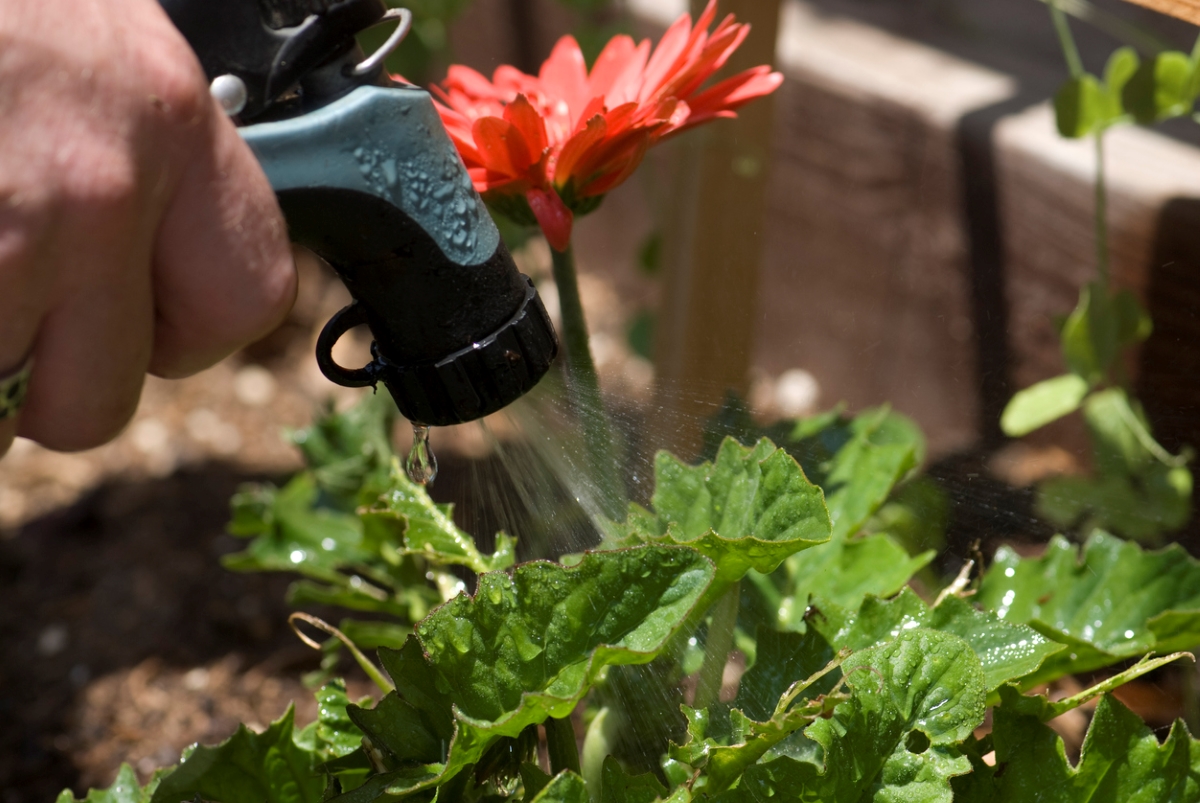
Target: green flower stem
[(717, 647), (560, 744), (583, 386), (1069, 49)]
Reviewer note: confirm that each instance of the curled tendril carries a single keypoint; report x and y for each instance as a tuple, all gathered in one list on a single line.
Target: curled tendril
[(320, 624)]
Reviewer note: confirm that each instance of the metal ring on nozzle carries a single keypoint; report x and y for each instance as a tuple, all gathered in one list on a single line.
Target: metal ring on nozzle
[(373, 61)]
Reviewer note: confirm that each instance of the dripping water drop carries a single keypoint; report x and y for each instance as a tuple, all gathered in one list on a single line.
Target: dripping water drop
[(421, 464)]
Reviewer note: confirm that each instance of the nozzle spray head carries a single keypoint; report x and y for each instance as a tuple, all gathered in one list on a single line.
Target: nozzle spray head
[(368, 179)]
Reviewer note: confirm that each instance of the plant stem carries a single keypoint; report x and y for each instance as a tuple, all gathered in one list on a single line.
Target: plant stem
[(560, 743), (583, 385), (1101, 214), (1070, 51), (717, 647), (373, 672), (597, 745)]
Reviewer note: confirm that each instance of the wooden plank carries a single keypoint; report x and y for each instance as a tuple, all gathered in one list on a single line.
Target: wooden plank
[(866, 283), (713, 249), (1188, 10)]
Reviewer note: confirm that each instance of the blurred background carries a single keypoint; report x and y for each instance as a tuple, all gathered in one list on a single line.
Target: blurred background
[(899, 224)]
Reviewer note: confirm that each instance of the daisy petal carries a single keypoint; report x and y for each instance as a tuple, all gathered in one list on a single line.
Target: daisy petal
[(501, 147), (564, 74)]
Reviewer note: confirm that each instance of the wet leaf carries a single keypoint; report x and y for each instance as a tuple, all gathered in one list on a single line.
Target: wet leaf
[(1038, 405), (1005, 650), (844, 572), (299, 536), (349, 453), (877, 450), (525, 647), (923, 682), (566, 787), (780, 660), (332, 734), (723, 760), (125, 789), (408, 514), (617, 786), (1121, 760), (750, 508), (1112, 603), (248, 767)]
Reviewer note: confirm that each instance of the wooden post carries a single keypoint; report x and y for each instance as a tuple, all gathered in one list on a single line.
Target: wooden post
[(1183, 9), (714, 246)]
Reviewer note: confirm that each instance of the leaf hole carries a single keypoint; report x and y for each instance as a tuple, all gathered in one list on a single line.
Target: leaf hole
[(917, 742)]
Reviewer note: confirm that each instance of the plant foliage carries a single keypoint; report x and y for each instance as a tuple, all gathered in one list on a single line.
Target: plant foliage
[(857, 688)]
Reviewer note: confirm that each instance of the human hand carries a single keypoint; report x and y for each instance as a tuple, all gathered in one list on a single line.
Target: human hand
[(137, 231)]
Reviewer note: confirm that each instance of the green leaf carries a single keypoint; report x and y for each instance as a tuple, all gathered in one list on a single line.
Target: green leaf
[(301, 537), (566, 787), (1038, 405), (781, 659), (1121, 67), (525, 647), (332, 735), (923, 682), (750, 508), (427, 529), (843, 572), (1115, 427), (125, 789), (1090, 334), (915, 516), (619, 787), (724, 760), (528, 646), (1005, 650), (1133, 321), (248, 767), (1141, 508), (1080, 107), (1113, 603), (1161, 88), (349, 453), (883, 448), (1121, 760)]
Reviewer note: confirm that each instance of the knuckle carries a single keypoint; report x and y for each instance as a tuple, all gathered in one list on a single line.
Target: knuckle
[(177, 91)]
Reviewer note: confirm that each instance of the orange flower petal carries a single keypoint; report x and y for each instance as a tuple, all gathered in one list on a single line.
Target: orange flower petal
[(590, 131), (663, 59), (564, 74), (733, 93), (501, 147), (612, 62), (577, 146), (553, 217), (522, 115)]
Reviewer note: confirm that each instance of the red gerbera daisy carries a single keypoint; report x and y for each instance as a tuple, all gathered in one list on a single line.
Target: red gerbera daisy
[(562, 139)]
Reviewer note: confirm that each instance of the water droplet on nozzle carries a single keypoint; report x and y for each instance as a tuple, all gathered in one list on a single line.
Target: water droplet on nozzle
[(421, 464)]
